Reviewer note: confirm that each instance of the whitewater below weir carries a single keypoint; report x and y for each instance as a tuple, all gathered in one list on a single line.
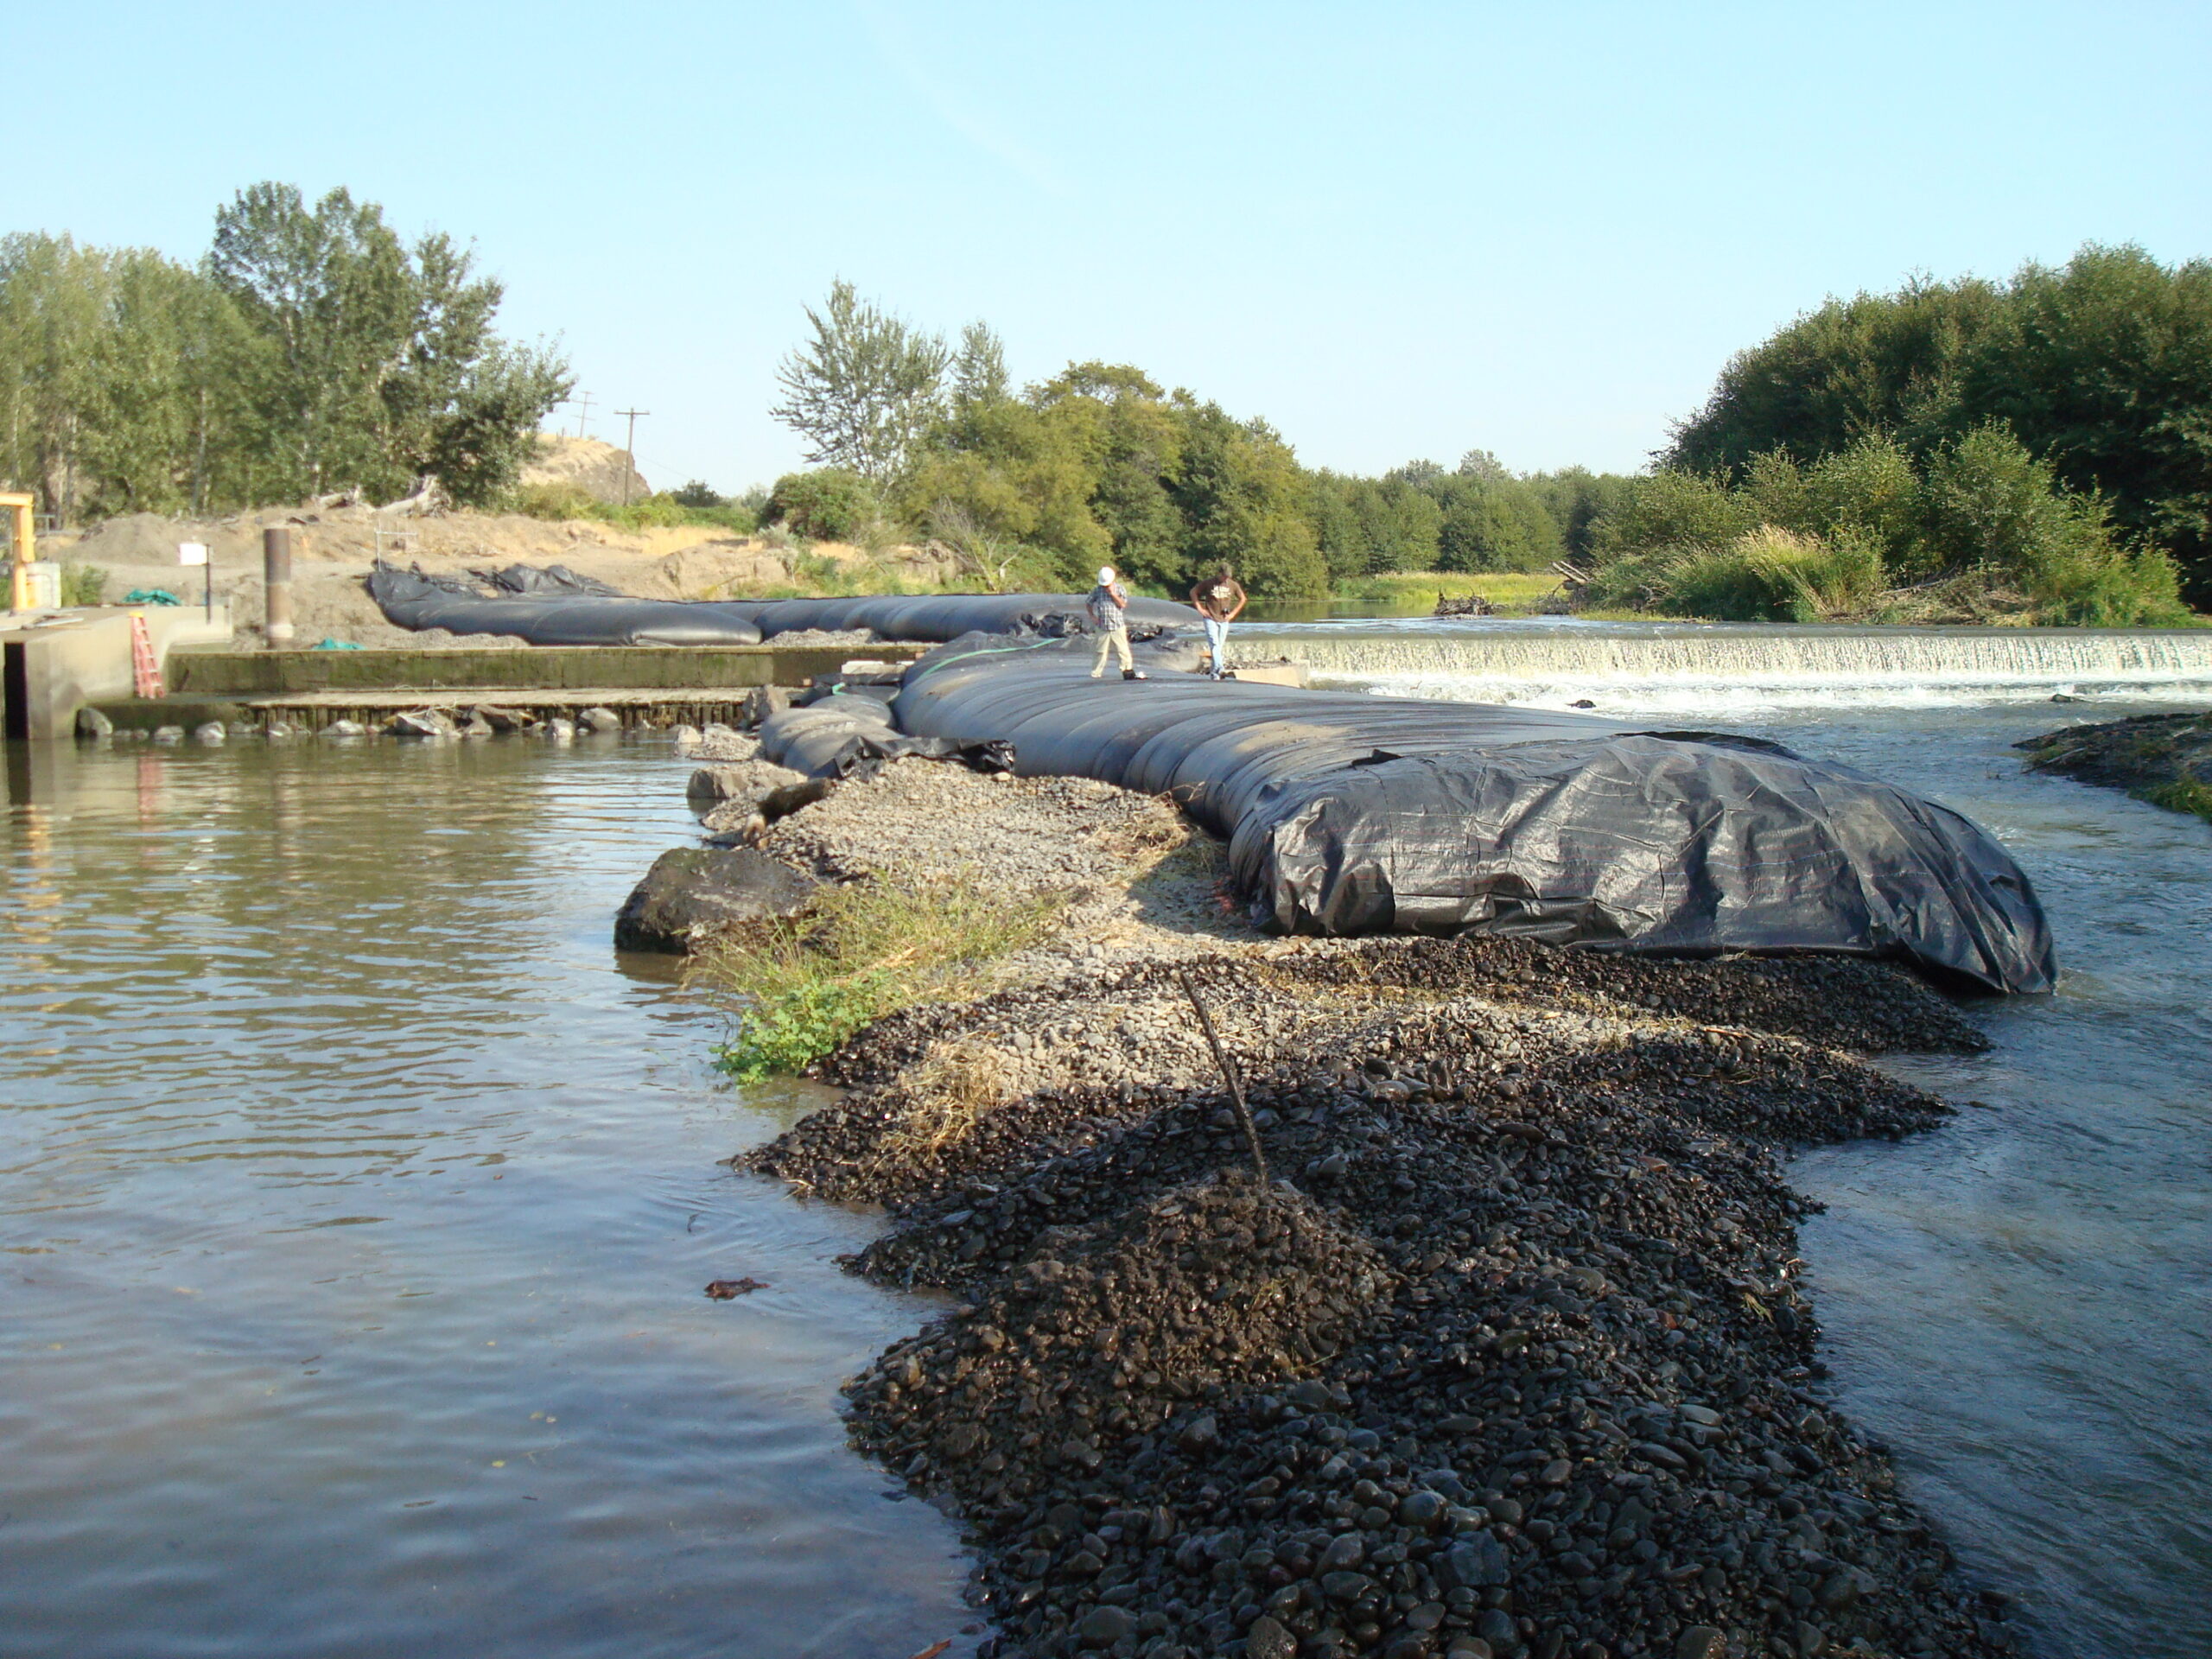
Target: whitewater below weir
[(356, 1199)]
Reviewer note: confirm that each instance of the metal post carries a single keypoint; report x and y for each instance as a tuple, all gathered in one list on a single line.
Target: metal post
[(277, 581), (26, 549)]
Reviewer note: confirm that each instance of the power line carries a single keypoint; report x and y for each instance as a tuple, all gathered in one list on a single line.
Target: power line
[(583, 412), (630, 450)]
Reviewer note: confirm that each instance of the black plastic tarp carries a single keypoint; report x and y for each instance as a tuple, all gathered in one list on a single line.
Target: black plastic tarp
[(1351, 814), (411, 600), (847, 735), (548, 609)]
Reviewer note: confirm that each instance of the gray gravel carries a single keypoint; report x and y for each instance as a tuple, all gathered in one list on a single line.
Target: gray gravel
[(1511, 1358)]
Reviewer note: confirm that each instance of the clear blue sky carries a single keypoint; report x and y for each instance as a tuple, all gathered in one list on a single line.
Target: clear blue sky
[(1394, 230)]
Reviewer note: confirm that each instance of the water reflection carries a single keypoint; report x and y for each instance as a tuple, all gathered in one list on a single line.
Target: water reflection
[(358, 1204)]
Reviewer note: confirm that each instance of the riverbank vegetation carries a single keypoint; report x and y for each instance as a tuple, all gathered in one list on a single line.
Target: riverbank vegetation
[(2031, 451), (800, 988), (1973, 529)]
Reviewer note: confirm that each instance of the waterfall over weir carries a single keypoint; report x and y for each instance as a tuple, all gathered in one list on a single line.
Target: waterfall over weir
[(1691, 664)]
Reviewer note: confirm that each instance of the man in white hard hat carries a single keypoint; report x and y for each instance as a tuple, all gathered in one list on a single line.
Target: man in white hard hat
[(1109, 606)]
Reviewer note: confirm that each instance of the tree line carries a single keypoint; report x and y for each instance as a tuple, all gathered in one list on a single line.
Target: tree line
[(2039, 450), (310, 349), (2090, 382), (1100, 464)]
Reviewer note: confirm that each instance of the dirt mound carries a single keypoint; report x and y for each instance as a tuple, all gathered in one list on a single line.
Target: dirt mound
[(600, 470)]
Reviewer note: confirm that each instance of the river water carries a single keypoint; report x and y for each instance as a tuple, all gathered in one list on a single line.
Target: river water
[(356, 1205), (356, 1199)]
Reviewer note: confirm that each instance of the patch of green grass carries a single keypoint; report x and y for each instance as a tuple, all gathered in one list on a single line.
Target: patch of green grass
[(800, 988), (2183, 795)]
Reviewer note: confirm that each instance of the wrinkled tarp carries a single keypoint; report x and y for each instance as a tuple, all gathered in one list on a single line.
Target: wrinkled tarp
[(410, 599), (1351, 814), (554, 581), (846, 736), (554, 608)]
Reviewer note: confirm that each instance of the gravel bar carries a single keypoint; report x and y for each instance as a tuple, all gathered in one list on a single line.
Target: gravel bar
[(1509, 1358)]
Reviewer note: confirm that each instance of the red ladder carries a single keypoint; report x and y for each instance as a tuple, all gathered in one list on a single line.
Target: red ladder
[(145, 670)]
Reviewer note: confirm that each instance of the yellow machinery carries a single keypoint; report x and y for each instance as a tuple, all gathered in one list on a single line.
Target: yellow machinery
[(18, 508)]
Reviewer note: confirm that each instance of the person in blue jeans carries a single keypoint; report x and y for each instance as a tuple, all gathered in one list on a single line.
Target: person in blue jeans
[(1220, 602)]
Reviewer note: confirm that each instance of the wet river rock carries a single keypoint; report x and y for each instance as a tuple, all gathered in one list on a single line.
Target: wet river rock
[(1510, 1359)]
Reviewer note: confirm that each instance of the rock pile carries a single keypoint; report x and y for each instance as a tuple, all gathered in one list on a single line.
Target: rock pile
[(1511, 1360)]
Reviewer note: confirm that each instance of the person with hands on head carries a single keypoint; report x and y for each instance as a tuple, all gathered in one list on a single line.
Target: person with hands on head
[(1109, 606), (1220, 600)]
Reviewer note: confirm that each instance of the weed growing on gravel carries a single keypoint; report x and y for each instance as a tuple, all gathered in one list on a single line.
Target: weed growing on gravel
[(797, 989), (2183, 795)]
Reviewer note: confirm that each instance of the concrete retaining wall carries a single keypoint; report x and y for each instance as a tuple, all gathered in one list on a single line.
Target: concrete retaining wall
[(51, 672)]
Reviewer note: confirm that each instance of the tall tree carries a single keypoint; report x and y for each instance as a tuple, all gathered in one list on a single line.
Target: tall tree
[(865, 389)]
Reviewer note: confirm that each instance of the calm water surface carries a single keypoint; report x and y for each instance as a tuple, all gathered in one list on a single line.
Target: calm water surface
[(356, 1204)]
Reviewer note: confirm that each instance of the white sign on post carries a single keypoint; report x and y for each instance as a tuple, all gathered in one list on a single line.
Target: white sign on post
[(192, 553)]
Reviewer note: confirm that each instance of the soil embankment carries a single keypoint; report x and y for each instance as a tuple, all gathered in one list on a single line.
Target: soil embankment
[(335, 547), (1510, 1356), (2163, 759)]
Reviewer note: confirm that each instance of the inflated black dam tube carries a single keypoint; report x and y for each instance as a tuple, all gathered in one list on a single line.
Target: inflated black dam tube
[(563, 616), (1350, 814)]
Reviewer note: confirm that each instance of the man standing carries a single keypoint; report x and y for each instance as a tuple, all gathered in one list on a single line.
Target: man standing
[(1220, 600), (1109, 606)]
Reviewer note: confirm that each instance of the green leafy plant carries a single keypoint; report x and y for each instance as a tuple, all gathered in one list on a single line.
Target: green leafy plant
[(82, 584), (661, 510), (797, 989), (830, 503)]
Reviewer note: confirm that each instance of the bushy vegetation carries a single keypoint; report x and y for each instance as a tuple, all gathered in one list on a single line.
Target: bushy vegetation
[(663, 510), (797, 989), (82, 584), (2101, 369), (1870, 531), (1102, 464), (832, 503), (311, 350)]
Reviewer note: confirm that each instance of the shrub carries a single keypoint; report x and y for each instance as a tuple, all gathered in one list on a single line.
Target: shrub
[(1767, 575), (82, 584), (1807, 580), (799, 987), (830, 503), (555, 501), (661, 510)]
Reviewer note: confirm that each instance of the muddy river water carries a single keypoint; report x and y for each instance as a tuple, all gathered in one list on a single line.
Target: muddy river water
[(356, 1200)]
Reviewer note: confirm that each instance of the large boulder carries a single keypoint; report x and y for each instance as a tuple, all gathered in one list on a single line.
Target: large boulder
[(693, 893)]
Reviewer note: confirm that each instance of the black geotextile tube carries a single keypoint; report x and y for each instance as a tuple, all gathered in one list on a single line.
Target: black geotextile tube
[(1351, 814), (411, 600)]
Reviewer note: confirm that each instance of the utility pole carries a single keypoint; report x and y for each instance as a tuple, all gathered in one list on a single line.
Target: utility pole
[(583, 412), (630, 450)]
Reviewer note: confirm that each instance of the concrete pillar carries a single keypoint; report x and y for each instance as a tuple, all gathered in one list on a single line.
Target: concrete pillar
[(276, 582)]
